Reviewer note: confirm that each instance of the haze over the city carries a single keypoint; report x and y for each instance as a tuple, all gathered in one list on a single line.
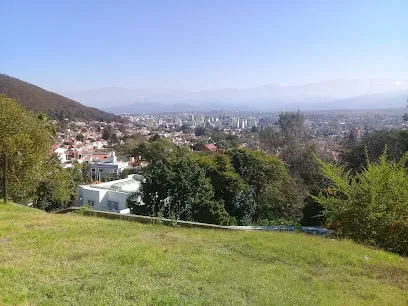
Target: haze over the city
[(226, 54)]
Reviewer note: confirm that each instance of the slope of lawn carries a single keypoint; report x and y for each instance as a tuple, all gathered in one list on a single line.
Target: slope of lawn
[(48, 259)]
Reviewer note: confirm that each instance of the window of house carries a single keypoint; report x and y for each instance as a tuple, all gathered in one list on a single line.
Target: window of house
[(113, 206), (91, 203)]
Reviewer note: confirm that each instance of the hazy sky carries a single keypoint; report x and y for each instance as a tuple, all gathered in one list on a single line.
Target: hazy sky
[(75, 45)]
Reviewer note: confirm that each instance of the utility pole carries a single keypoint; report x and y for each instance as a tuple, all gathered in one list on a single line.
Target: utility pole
[(5, 178)]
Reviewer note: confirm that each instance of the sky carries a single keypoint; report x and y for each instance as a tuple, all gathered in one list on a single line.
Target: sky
[(69, 46)]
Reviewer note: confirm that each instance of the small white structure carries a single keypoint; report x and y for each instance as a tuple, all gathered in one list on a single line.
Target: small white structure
[(62, 155), (110, 196)]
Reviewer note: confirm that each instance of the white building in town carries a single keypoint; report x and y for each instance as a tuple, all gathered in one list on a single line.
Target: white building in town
[(110, 196), (108, 169)]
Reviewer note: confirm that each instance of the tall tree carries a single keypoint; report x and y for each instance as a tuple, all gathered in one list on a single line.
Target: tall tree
[(58, 187), (25, 142), (227, 184), (272, 186), (353, 154), (177, 188), (293, 144)]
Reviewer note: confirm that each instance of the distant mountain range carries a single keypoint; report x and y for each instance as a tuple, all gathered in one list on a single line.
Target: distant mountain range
[(37, 99), (334, 94)]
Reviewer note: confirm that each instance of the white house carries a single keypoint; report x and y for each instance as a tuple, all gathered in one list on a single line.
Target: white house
[(110, 196), (108, 169), (62, 154)]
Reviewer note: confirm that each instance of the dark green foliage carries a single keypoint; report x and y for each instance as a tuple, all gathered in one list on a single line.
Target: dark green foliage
[(80, 137), (58, 107), (207, 211), (312, 212), (154, 137), (86, 173), (107, 133), (354, 156), (254, 129), (244, 207), (199, 131), (275, 192), (172, 187), (186, 129), (294, 145), (281, 199), (223, 188), (225, 181), (292, 142), (370, 206), (257, 169), (153, 151)]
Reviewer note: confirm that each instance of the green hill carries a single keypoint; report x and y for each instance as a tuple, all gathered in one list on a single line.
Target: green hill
[(49, 259), (37, 99)]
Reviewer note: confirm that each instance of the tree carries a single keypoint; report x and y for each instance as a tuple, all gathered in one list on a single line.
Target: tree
[(369, 206), (155, 137), (257, 169), (294, 146), (353, 154), (200, 131), (177, 188), (276, 193), (85, 170), (226, 183), (245, 206), (130, 144), (25, 142), (186, 129), (281, 200), (57, 189), (107, 133), (254, 129), (207, 211), (161, 149), (80, 137)]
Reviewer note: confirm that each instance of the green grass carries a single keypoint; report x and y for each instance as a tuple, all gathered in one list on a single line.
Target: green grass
[(48, 259)]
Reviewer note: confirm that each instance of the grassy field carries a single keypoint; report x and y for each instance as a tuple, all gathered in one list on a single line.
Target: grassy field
[(48, 259)]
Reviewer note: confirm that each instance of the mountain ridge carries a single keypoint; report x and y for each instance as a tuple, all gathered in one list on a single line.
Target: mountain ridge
[(266, 97), (40, 100)]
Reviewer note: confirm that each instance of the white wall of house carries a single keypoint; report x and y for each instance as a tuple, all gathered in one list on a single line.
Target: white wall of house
[(104, 196), (61, 154)]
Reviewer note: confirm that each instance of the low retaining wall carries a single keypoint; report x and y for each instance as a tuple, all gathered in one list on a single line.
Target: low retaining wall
[(181, 223), (146, 219)]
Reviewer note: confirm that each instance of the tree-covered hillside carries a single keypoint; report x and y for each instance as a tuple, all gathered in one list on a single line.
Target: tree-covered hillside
[(39, 100)]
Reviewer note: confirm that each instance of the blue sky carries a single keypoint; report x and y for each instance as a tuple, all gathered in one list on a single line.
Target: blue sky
[(77, 45)]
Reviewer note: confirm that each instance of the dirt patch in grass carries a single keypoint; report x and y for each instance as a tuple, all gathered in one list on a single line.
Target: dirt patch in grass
[(394, 276), (4, 240)]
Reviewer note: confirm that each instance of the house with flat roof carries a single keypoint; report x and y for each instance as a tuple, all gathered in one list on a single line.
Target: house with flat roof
[(110, 196)]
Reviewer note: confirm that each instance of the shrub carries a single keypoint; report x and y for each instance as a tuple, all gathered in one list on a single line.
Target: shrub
[(370, 206)]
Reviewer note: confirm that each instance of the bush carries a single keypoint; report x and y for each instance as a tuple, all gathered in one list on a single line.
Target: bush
[(370, 206), (207, 211)]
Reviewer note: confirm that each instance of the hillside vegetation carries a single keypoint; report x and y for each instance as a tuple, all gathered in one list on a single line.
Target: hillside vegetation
[(48, 259), (37, 99)]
